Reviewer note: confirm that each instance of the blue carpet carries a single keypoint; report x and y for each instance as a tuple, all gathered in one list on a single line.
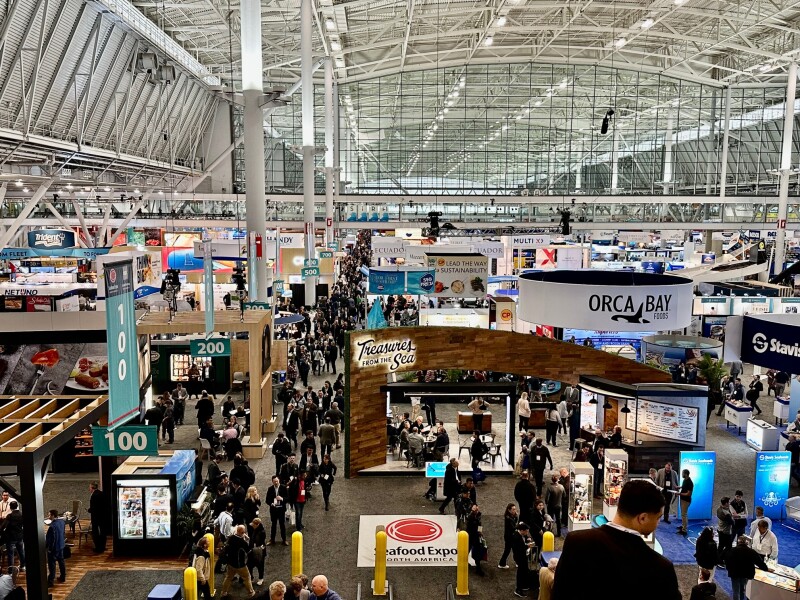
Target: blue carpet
[(680, 549)]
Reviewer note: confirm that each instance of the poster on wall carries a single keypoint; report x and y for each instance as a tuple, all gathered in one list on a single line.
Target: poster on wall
[(702, 467), (588, 410), (667, 421), (772, 482), (459, 275)]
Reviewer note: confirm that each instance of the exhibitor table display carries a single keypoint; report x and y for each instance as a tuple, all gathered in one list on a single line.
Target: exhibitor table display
[(147, 494), (780, 408), (581, 485), (761, 435), (783, 583), (615, 473), (737, 414)]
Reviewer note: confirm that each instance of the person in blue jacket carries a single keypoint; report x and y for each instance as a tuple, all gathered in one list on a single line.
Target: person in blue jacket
[(54, 540)]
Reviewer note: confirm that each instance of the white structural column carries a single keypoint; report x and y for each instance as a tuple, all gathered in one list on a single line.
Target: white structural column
[(786, 168), (337, 188), (614, 160), (726, 137), (329, 151), (668, 135), (307, 92), (252, 89)]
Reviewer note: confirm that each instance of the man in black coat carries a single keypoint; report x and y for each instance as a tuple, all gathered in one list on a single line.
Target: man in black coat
[(741, 563), (205, 410), (12, 535), (521, 544), (540, 455), (525, 495), (281, 449), (276, 500), (98, 508), (452, 484), (617, 552)]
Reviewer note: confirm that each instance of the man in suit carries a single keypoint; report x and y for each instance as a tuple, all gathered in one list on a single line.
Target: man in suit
[(617, 552), (54, 540), (276, 496), (98, 508), (452, 484), (571, 395), (667, 480)]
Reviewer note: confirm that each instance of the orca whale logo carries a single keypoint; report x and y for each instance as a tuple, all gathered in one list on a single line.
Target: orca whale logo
[(635, 318)]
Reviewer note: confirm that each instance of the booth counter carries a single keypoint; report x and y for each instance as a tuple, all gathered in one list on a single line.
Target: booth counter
[(781, 584), (780, 408), (737, 414), (761, 435)]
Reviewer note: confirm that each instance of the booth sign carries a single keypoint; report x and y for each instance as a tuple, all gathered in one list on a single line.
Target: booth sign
[(393, 354), (772, 343), (51, 239)]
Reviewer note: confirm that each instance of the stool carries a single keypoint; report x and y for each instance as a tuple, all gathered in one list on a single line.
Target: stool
[(165, 592)]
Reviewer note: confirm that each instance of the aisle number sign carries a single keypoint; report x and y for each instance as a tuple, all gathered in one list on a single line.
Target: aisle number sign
[(278, 286), (256, 306), (311, 262), (212, 347), (141, 440), (123, 376), (310, 272), (326, 254)]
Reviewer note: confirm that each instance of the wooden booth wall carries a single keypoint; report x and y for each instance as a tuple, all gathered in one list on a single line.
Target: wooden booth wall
[(466, 348)]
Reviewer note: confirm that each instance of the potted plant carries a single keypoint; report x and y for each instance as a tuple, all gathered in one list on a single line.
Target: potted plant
[(712, 371)]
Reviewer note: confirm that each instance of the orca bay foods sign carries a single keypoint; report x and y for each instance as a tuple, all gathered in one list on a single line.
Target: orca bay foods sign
[(366, 352), (606, 300)]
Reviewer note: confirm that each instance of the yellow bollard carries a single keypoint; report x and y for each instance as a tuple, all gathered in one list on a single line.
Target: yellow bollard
[(462, 569), (297, 553), (548, 542), (190, 583), (210, 538), (379, 586)]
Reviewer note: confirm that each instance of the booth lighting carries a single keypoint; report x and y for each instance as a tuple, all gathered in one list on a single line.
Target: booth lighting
[(607, 405), (625, 410), (593, 400)]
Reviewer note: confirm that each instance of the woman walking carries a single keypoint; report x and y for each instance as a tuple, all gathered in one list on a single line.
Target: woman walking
[(524, 411), (706, 551), (327, 472), (258, 550), (252, 502), (510, 520)]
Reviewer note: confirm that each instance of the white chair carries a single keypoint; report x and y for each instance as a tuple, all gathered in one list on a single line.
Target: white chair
[(205, 446), (238, 380)]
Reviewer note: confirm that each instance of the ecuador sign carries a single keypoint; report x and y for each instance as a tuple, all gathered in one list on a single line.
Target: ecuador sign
[(411, 541)]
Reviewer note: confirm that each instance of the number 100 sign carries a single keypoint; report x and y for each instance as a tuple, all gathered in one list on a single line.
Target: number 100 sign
[(140, 440)]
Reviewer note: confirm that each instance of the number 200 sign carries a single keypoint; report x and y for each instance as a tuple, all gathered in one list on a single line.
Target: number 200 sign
[(123, 381), (211, 347)]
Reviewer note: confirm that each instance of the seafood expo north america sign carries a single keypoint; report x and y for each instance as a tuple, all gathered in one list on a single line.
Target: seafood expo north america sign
[(411, 540)]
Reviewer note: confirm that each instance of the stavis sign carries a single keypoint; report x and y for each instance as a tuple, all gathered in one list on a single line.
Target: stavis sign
[(411, 541), (771, 341)]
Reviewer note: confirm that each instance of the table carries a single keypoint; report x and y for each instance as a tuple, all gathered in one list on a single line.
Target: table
[(466, 424), (737, 415), (780, 407), (761, 435)]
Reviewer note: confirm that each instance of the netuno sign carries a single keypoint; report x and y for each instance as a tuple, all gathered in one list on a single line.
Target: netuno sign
[(606, 301), (772, 341)]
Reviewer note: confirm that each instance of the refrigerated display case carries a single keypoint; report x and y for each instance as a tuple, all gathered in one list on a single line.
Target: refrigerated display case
[(149, 491), (581, 484), (615, 473)]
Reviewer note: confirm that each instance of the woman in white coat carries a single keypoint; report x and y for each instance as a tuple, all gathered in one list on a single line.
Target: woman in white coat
[(524, 411)]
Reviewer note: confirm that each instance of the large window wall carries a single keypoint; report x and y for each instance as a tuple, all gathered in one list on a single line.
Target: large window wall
[(536, 129)]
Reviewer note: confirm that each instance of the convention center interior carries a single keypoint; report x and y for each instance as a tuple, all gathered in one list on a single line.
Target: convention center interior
[(505, 292)]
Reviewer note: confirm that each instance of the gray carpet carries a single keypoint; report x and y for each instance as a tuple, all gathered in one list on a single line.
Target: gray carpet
[(123, 584)]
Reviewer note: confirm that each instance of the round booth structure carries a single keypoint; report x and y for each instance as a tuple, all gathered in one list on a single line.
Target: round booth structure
[(606, 300), (665, 351)]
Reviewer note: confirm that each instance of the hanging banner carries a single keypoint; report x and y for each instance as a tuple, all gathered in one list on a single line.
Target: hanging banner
[(569, 258), (545, 258), (490, 249), (772, 342), (772, 482), (20, 253), (420, 282), (208, 283), (459, 275), (702, 467), (123, 372), (386, 282), (51, 240)]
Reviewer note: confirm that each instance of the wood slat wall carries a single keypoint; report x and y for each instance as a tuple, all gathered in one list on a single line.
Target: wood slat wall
[(466, 348)]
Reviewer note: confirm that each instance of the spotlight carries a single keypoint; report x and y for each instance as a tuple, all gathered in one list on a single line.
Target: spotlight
[(606, 121)]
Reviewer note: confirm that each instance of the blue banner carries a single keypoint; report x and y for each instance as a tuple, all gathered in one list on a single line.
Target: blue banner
[(182, 466), (123, 360), (420, 282), (387, 282), (20, 253), (51, 240), (701, 466), (208, 283), (772, 482), (770, 344)]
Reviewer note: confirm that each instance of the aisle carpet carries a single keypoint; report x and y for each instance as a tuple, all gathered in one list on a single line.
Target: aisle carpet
[(122, 584)]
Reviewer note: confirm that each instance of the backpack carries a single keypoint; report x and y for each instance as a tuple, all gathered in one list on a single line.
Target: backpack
[(251, 476), (235, 557)]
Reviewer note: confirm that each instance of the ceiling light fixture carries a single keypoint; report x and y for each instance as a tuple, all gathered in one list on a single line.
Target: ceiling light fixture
[(501, 21), (593, 399), (25, 190), (607, 405), (648, 23), (488, 41), (330, 25), (679, 2), (619, 43), (19, 182), (335, 46), (625, 410)]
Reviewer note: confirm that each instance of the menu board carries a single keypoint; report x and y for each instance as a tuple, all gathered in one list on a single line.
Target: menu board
[(158, 512), (131, 523), (677, 423)]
